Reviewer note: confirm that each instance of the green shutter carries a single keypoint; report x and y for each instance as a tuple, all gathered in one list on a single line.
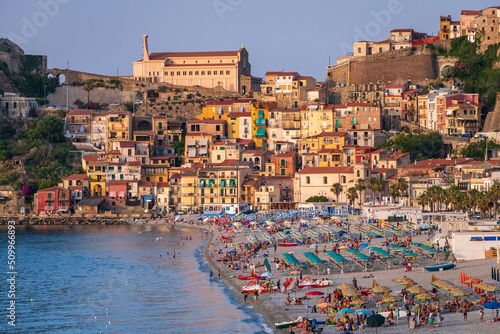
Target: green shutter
[(283, 162), (160, 125), (261, 133), (337, 123), (121, 176), (283, 171), (261, 113), (232, 183), (50, 195), (112, 176), (222, 183), (354, 120), (70, 183)]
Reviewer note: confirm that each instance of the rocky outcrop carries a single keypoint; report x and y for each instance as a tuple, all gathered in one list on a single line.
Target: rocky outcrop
[(492, 122)]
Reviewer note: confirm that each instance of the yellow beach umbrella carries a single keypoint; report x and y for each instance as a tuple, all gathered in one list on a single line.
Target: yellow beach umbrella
[(424, 296), (415, 289), (487, 287)]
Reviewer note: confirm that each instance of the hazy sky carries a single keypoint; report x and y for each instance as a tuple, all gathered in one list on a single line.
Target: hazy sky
[(100, 36)]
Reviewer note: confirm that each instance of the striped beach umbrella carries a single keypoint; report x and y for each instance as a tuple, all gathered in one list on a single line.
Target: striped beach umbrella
[(415, 290), (424, 296)]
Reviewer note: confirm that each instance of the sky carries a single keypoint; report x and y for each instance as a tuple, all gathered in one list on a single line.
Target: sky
[(105, 37)]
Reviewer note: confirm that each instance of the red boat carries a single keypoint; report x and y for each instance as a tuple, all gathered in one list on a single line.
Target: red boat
[(287, 244), (246, 278)]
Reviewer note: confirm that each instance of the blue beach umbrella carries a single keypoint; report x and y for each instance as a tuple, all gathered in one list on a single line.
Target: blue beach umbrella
[(266, 274), (234, 251), (346, 310), (313, 245), (491, 305), (363, 246), (363, 312)]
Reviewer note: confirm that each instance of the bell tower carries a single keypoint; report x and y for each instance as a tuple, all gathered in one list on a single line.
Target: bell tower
[(145, 47)]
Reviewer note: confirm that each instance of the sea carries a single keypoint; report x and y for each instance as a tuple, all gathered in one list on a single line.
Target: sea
[(117, 279)]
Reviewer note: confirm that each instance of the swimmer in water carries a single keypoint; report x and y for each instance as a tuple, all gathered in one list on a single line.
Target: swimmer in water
[(173, 253)]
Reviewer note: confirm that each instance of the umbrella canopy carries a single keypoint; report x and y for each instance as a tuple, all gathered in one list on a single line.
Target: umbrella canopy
[(315, 293), (375, 320), (363, 246), (471, 280), (459, 293), (234, 251), (351, 250), (313, 245), (415, 290), (363, 312), (326, 283), (346, 310), (303, 225), (267, 274), (487, 287), (424, 296), (492, 305)]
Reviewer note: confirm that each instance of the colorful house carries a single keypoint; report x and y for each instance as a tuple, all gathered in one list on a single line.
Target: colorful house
[(51, 200)]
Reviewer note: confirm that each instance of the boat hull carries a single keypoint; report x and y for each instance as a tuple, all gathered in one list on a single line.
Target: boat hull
[(287, 244), (284, 325), (439, 267)]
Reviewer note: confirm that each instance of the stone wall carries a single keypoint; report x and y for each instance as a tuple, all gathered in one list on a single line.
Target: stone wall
[(492, 122)]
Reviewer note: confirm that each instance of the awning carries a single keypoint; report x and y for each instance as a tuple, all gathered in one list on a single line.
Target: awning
[(192, 152), (202, 183), (260, 122), (211, 183), (191, 142), (121, 194), (203, 151), (261, 133), (232, 183), (222, 183), (203, 142), (112, 194), (449, 112), (260, 113)]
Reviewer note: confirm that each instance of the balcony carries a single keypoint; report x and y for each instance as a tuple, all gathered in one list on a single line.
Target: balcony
[(188, 195)]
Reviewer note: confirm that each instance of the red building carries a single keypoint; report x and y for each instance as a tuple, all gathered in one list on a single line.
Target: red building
[(50, 200), (285, 163), (117, 193)]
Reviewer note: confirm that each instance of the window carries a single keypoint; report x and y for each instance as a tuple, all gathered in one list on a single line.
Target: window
[(228, 72), (209, 72), (184, 72), (325, 180), (357, 173), (308, 180), (283, 171), (196, 72), (343, 179), (190, 72), (217, 128), (178, 72), (172, 73)]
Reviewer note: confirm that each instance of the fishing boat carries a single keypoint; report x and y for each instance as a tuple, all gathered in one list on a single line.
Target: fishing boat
[(440, 267), (287, 244), (286, 324)]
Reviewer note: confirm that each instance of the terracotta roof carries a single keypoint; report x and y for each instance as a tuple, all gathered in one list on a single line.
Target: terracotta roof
[(176, 176), (165, 55), (53, 189), (114, 152), (244, 142), (163, 184), (79, 112), (433, 163), (118, 182), (127, 143), (76, 177), (134, 163), (333, 134), (290, 154), (303, 77), (329, 150), (359, 104), (147, 133), (90, 158), (255, 152), (326, 170), (281, 73), (144, 183), (228, 163), (402, 30), (470, 12)]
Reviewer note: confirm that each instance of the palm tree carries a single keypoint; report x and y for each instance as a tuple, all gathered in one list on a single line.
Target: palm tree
[(88, 86), (360, 186), (393, 192), (472, 199), (453, 192), (423, 199), (336, 189), (402, 185), (484, 203), (352, 195), (376, 185), (494, 194)]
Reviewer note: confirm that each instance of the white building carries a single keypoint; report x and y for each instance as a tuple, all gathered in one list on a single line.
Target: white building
[(98, 133), (17, 106), (471, 245)]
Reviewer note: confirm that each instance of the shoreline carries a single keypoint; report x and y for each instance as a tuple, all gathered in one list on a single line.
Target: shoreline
[(267, 309)]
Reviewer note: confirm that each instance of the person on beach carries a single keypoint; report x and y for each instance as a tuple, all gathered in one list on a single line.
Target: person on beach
[(355, 283), (481, 313), (464, 310), (245, 296), (218, 273), (256, 296), (173, 254), (211, 274)]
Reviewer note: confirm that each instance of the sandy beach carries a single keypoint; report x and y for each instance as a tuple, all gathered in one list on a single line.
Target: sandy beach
[(271, 307)]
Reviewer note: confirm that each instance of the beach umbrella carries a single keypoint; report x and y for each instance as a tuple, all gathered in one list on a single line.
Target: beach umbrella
[(375, 320), (267, 274), (326, 283), (416, 244), (313, 246), (303, 225), (350, 293), (492, 305), (315, 293), (351, 250), (363, 246), (415, 290), (363, 312), (424, 296), (346, 310), (459, 293), (357, 302), (291, 252), (471, 280), (487, 287), (234, 251)]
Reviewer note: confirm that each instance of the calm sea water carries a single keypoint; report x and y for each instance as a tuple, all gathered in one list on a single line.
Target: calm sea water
[(111, 279)]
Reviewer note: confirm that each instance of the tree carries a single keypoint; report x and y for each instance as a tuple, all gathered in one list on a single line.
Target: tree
[(45, 184), (49, 128), (402, 186), (393, 192), (448, 72), (376, 185), (360, 186), (336, 189), (494, 194), (314, 199), (88, 86), (352, 195), (79, 103), (179, 148)]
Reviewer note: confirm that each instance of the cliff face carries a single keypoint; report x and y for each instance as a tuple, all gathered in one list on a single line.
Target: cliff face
[(492, 122), (10, 61)]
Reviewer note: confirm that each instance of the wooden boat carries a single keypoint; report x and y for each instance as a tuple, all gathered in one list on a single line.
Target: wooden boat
[(286, 324), (287, 244), (440, 267)]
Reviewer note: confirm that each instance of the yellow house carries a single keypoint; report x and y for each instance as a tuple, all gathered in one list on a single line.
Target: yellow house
[(221, 109), (95, 169), (317, 118), (198, 147), (119, 127), (463, 118), (325, 140), (188, 184), (260, 119), (444, 27)]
